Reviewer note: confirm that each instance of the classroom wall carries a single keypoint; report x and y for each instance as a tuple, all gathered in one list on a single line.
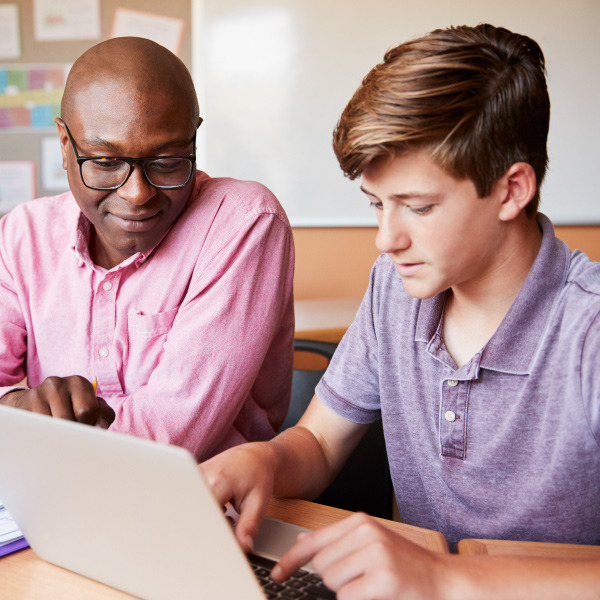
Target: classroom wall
[(275, 76), (335, 262)]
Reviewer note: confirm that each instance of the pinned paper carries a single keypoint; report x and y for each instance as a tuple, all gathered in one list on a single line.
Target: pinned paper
[(60, 20), (166, 31), (30, 95), (10, 41), (54, 177), (17, 183)]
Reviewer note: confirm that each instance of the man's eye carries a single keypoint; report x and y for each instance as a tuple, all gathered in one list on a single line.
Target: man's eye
[(376, 205), (106, 164), (166, 164)]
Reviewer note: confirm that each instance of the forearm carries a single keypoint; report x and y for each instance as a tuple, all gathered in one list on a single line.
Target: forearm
[(301, 468), (491, 578)]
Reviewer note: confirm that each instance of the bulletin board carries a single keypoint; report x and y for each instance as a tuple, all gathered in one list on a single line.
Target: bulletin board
[(278, 73), (35, 78)]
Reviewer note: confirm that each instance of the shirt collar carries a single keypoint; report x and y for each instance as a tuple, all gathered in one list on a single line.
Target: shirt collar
[(515, 343), (81, 246)]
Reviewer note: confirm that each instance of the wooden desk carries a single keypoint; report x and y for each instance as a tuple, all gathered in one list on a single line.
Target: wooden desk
[(313, 516), (24, 576), (531, 549), (326, 319)]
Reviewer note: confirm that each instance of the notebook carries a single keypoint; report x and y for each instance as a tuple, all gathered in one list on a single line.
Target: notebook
[(11, 537), (133, 514)]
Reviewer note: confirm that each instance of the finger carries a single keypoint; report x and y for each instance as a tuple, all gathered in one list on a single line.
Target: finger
[(348, 564), (363, 536), (373, 584), (36, 403), (86, 406), (106, 413), (219, 484), (309, 544), (54, 391), (252, 512)]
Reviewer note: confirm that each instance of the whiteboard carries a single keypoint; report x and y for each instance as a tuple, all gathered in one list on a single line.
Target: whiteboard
[(274, 76)]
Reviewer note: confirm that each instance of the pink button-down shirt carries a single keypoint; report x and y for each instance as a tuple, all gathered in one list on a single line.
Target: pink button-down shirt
[(191, 342)]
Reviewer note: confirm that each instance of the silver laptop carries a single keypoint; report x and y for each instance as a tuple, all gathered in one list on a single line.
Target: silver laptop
[(133, 514)]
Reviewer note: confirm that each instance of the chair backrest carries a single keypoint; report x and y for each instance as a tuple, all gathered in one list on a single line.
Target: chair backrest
[(304, 381), (364, 482)]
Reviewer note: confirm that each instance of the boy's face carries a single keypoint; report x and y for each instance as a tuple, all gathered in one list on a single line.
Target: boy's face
[(434, 227)]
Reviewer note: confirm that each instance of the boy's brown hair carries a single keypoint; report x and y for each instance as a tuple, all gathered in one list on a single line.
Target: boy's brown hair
[(474, 97)]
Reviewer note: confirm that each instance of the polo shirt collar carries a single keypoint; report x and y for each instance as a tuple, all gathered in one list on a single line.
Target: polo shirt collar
[(515, 343)]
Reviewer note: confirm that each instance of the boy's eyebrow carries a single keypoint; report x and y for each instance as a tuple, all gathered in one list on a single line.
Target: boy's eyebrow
[(366, 191), (405, 195)]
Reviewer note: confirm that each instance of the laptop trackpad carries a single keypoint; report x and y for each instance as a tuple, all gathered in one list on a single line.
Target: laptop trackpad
[(275, 538)]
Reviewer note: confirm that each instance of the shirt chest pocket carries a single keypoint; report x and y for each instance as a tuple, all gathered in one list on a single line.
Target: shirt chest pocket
[(145, 326), (147, 335)]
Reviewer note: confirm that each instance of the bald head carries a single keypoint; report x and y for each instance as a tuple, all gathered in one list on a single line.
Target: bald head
[(138, 67)]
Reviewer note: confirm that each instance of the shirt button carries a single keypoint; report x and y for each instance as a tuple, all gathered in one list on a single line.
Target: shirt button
[(107, 285), (452, 382), (450, 416), (103, 352)]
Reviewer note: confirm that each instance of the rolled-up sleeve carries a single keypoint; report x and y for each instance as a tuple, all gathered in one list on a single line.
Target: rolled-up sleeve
[(13, 333)]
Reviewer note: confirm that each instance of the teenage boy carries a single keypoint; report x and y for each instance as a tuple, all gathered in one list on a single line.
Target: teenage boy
[(477, 342)]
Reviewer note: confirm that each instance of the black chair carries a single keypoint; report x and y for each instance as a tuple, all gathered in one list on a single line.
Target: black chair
[(364, 483)]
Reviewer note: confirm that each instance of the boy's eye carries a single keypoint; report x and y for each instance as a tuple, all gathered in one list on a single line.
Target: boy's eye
[(421, 210)]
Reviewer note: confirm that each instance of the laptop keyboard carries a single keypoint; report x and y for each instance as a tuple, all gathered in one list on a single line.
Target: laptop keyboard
[(303, 585)]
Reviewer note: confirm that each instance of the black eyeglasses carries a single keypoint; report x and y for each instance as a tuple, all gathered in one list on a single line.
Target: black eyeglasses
[(111, 172)]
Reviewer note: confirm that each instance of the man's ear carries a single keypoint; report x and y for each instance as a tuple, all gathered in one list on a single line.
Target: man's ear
[(518, 186), (64, 140)]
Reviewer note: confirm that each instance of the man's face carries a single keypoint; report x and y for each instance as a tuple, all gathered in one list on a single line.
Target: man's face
[(434, 227), (109, 120)]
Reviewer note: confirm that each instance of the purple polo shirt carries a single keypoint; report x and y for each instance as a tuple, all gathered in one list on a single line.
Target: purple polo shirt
[(506, 446)]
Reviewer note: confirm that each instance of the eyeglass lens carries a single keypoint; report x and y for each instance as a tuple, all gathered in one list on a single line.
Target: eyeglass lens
[(161, 172)]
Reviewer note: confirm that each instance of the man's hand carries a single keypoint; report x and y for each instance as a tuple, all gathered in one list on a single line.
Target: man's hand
[(244, 477), (360, 559), (72, 398)]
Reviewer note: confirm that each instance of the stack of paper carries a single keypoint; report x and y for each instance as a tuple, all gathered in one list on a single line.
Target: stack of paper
[(11, 538)]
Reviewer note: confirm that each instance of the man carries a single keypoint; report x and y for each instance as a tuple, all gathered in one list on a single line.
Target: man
[(477, 342), (171, 288)]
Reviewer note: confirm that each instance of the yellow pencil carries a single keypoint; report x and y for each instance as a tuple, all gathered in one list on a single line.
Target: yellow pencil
[(95, 384)]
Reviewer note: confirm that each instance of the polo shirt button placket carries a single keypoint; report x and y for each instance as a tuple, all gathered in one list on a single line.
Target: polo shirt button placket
[(450, 415), (451, 437)]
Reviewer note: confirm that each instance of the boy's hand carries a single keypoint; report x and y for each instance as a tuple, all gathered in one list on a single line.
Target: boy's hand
[(72, 398), (360, 559), (244, 477)]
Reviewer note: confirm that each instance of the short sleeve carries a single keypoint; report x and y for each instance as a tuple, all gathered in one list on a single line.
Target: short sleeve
[(590, 376)]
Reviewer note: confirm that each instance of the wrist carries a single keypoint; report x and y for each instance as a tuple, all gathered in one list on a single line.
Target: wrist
[(12, 397), (452, 581)]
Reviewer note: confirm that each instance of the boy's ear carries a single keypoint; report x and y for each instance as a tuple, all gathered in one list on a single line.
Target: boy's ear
[(517, 186)]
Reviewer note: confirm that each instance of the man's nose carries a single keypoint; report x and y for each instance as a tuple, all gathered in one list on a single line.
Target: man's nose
[(137, 189)]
